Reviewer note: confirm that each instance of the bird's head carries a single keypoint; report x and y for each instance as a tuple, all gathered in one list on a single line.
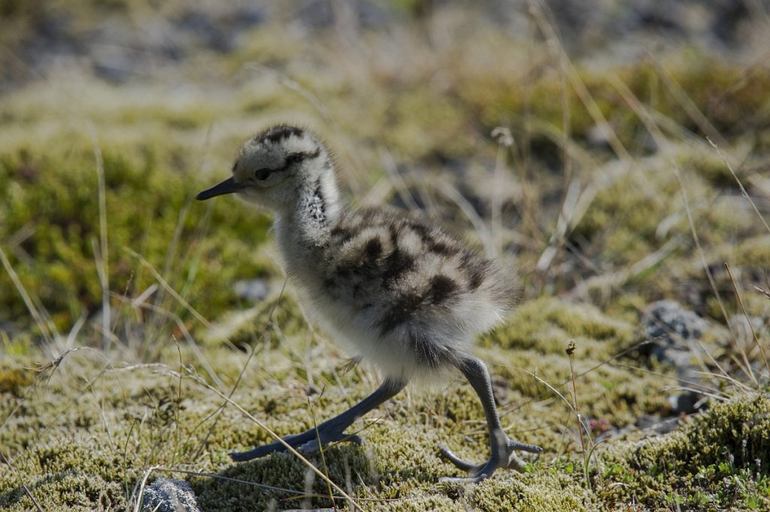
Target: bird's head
[(276, 168)]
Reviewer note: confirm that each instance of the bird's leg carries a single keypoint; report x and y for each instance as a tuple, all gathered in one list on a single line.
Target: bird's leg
[(501, 446), (330, 430)]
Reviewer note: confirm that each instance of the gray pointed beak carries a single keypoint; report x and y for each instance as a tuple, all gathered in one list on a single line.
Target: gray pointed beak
[(228, 186)]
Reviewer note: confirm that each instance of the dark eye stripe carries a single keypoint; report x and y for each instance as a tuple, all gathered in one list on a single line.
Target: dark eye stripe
[(298, 157), (263, 174)]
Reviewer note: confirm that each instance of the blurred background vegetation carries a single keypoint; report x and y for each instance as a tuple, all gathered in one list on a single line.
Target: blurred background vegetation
[(160, 94), (587, 141)]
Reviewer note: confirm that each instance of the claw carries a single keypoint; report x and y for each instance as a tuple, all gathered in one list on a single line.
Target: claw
[(458, 462), (503, 457), (522, 447)]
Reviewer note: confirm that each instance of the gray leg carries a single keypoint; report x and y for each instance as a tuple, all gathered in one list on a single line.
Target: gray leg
[(330, 430), (501, 446)]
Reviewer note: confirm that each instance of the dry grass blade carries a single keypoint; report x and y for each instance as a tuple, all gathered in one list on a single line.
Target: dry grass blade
[(641, 111), (186, 305), (455, 196), (322, 109), (505, 144), (696, 386), (553, 388), (229, 479), (140, 493), (295, 87), (762, 291), (536, 9), (743, 189), (321, 451), (102, 254), (185, 332), (73, 334), (184, 212), (571, 354), (696, 239), (21, 482), (704, 263), (265, 341), (298, 494), (46, 328), (739, 298), (686, 103), (397, 181), (714, 396), (566, 220), (616, 280)]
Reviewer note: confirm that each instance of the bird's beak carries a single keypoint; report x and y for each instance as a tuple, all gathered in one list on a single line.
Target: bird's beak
[(228, 186)]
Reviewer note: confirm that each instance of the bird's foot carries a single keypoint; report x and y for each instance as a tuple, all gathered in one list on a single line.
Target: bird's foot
[(330, 431), (306, 442), (503, 456)]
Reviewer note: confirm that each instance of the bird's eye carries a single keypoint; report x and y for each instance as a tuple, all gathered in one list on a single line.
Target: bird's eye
[(262, 174)]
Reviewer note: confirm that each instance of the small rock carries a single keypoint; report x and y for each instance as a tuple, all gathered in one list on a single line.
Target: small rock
[(253, 290), (165, 495), (598, 136), (668, 322), (669, 326), (656, 424), (686, 403)]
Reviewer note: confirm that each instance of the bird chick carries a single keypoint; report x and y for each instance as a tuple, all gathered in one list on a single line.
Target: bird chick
[(399, 292)]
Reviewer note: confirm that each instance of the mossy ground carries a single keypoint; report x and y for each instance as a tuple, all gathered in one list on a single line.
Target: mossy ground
[(600, 227)]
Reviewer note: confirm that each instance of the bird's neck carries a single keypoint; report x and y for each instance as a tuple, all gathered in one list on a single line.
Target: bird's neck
[(316, 212)]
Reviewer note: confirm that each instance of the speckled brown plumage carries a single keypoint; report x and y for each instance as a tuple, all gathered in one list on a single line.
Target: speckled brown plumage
[(404, 274)]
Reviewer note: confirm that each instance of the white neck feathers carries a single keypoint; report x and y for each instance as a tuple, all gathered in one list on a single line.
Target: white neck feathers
[(318, 207)]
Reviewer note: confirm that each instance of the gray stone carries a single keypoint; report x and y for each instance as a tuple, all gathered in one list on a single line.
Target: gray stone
[(253, 290), (668, 321), (165, 495), (669, 327)]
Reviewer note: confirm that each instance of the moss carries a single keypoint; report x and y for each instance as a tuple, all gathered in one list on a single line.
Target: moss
[(14, 380), (56, 199), (712, 168), (150, 419), (552, 491), (142, 416), (534, 366), (424, 124), (500, 99), (277, 471), (271, 320), (749, 254), (716, 461), (66, 474), (624, 218), (546, 324)]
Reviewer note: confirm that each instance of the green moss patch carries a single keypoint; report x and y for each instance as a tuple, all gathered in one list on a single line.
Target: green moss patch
[(717, 461)]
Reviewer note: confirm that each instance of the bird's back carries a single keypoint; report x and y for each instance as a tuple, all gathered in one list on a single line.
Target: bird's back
[(405, 294)]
